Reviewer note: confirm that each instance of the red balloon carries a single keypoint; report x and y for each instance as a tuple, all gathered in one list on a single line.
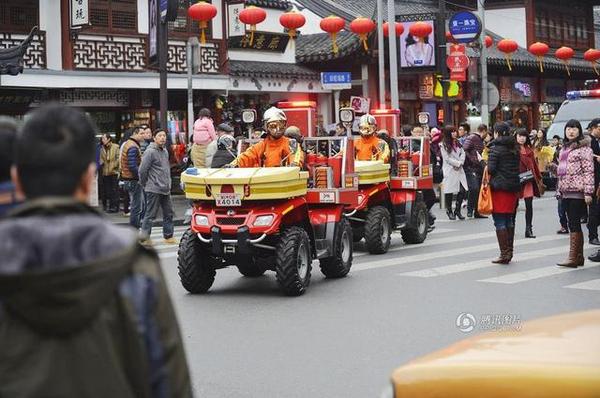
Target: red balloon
[(539, 49), (507, 46), (488, 41), (202, 11), (564, 53), (252, 15), (362, 26), (399, 29), (592, 55), (332, 24), (292, 20), (420, 29)]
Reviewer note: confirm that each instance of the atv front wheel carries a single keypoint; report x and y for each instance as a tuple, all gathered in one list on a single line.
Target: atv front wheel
[(293, 261), (339, 264), (378, 230), (417, 231), (195, 269)]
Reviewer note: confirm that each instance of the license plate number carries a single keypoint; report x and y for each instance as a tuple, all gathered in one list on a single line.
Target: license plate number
[(229, 200)]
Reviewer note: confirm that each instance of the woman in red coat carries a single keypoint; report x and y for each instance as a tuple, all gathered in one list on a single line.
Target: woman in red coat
[(530, 188)]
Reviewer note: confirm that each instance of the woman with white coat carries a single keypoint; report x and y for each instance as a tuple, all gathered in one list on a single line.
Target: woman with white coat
[(455, 179)]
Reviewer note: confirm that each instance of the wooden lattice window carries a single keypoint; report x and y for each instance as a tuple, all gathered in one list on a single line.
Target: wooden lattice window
[(19, 15), (113, 16), (183, 25)]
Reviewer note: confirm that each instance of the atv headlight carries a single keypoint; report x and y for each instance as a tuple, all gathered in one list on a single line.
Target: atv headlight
[(263, 221), (201, 220)]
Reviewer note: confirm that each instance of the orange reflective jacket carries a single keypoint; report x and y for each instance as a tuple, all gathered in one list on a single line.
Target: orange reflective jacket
[(271, 153), (371, 148)]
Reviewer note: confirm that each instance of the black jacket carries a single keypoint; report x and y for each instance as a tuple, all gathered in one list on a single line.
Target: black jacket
[(596, 149), (503, 165), (221, 158)]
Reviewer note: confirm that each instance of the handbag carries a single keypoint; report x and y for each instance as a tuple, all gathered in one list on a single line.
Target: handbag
[(484, 205), (526, 176)]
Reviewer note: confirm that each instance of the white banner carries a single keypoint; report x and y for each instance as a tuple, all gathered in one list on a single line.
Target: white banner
[(235, 26), (80, 13)]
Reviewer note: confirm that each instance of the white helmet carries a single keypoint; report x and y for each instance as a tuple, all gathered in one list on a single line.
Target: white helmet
[(273, 114), (367, 124)]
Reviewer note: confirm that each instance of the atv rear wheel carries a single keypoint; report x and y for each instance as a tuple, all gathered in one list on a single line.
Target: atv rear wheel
[(378, 230), (293, 261), (339, 264), (195, 269), (417, 231), (249, 268)]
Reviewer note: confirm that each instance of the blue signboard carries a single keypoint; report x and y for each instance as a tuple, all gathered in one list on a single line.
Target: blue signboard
[(164, 8), (336, 78), (465, 27)]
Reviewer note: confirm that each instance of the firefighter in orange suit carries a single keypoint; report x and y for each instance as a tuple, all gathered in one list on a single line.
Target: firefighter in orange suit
[(275, 150), (369, 146)]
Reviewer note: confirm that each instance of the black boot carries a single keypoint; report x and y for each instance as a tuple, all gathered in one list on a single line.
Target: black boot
[(458, 214), (449, 213), (595, 257), (459, 200), (529, 232)]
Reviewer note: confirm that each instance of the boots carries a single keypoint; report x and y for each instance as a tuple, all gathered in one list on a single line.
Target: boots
[(504, 243), (511, 242), (457, 212), (529, 232), (450, 214), (576, 258)]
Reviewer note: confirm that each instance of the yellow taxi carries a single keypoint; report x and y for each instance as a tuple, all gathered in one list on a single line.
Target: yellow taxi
[(555, 357)]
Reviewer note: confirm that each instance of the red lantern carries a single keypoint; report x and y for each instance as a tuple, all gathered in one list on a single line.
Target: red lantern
[(399, 29), (332, 25), (565, 54), (450, 38), (592, 55), (420, 29), (362, 27), (539, 50), (508, 46), (292, 21), (252, 16), (488, 41), (202, 12)]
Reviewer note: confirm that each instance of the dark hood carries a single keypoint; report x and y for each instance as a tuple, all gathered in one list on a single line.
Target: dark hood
[(504, 141), (61, 262)]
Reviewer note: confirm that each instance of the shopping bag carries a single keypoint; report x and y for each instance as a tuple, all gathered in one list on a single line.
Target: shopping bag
[(485, 206)]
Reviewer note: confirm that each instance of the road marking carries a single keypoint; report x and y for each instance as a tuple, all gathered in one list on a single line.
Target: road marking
[(446, 253), (530, 275), (482, 264), (594, 284)]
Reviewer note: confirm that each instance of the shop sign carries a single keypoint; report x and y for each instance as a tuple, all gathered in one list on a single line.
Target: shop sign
[(360, 104), (236, 27), (153, 34), (95, 98), (517, 90), (79, 13), (272, 42), (426, 86)]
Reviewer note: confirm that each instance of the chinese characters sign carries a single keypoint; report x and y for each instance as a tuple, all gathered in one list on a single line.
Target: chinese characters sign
[(272, 42), (236, 27), (79, 13)]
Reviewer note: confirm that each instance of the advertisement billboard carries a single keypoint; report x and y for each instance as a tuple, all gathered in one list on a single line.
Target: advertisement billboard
[(417, 52)]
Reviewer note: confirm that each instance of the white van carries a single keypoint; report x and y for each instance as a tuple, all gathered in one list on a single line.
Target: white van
[(583, 106)]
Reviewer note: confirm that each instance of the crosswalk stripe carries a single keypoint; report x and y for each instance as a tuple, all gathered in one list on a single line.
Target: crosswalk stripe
[(482, 264), (445, 253), (594, 284), (530, 275)]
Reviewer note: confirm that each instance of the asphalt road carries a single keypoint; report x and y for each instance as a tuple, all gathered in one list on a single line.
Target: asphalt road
[(344, 337)]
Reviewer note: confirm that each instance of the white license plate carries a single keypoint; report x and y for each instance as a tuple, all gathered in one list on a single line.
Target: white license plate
[(229, 200)]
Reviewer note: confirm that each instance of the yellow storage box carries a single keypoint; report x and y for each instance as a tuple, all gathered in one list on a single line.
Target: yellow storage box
[(248, 183), (371, 171)]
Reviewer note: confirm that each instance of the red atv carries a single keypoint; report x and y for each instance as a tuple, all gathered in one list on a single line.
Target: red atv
[(278, 219), (389, 198)]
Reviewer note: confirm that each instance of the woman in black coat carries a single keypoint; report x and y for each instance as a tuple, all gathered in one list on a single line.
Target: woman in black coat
[(503, 168)]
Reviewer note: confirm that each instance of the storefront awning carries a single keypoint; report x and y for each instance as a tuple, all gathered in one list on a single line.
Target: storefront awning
[(271, 70)]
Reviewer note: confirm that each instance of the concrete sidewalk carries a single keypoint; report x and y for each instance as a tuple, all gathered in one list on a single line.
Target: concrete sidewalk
[(180, 205)]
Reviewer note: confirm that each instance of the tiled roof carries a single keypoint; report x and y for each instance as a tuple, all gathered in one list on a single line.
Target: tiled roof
[(276, 4), (318, 47), (271, 70), (523, 58)]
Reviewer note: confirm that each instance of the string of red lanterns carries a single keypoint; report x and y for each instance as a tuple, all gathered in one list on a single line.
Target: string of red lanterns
[(362, 27), (252, 16), (592, 55), (292, 21), (565, 54), (332, 25), (539, 50), (508, 47), (202, 12), (399, 29)]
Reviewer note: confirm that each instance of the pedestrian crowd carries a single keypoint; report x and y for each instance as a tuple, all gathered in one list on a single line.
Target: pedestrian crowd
[(84, 307)]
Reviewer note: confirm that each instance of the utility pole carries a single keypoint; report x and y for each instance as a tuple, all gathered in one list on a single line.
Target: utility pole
[(163, 50), (381, 52), (441, 56), (485, 108), (393, 55), (191, 45)]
